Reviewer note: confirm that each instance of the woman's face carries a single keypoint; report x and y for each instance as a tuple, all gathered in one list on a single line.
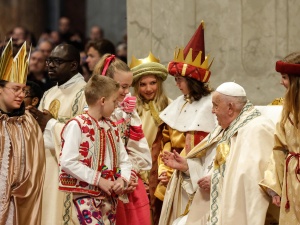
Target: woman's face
[(12, 96), (181, 83), (285, 81), (124, 78), (148, 87)]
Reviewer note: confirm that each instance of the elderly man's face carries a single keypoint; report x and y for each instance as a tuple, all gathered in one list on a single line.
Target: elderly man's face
[(222, 110), (37, 63)]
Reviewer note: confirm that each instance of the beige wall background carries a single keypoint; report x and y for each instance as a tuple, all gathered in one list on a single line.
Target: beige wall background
[(245, 37)]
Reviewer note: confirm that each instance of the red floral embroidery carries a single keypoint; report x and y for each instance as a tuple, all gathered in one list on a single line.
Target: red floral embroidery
[(91, 134), (85, 129), (83, 184), (87, 161), (88, 122), (84, 148)]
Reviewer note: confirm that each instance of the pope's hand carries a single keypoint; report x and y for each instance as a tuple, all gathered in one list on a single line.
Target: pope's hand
[(204, 183)]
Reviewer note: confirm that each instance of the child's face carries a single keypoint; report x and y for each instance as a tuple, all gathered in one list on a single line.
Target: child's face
[(182, 84), (285, 81), (92, 58), (11, 96), (148, 87), (110, 104), (124, 78), (28, 98)]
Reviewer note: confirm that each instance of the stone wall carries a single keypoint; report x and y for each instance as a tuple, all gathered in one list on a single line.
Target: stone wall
[(244, 37)]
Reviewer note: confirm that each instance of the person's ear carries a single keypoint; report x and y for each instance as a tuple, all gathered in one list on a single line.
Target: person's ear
[(35, 101), (230, 108), (102, 100), (74, 65)]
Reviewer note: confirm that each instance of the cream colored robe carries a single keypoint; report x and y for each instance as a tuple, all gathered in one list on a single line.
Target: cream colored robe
[(275, 176), (64, 102), (236, 196), (241, 159)]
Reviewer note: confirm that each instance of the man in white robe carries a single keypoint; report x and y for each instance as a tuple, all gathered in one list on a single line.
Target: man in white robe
[(243, 144), (59, 104)]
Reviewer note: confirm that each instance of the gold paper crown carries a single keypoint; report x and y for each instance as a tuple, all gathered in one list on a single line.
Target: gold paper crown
[(179, 57), (135, 62), (14, 69)]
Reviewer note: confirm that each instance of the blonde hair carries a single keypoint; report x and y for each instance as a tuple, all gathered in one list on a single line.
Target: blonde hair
[(115, 64), (160, 99), (292, 97), (98, 87)]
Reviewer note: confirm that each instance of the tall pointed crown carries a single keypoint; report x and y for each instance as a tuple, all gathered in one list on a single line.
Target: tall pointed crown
[(14, 69), (191, 61), (147, 66)]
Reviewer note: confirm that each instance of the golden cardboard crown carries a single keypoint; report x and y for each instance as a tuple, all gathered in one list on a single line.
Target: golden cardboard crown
[(135, 62), (179, 57), (14, 69)]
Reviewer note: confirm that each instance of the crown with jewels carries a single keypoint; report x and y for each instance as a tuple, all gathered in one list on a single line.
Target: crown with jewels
[(147, 66), (14, 69), (191, 61)]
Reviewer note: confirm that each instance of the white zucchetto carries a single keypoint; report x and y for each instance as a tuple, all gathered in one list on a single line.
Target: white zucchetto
[(231, 89)]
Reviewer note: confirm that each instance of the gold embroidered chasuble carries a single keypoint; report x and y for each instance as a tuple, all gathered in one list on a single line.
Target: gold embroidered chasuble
[(64, 102)]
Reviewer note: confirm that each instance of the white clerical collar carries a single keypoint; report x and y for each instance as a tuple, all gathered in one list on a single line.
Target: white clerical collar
[(73, 80)]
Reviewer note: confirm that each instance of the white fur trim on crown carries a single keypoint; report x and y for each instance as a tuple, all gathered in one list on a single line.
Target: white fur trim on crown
[(231, 89)]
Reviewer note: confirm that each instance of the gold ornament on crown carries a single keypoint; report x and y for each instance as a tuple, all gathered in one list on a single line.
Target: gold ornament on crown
[(14, 69), (179, 57), (135, 62)]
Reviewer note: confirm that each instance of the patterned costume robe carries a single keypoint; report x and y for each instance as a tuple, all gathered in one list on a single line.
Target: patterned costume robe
[(90, 150)]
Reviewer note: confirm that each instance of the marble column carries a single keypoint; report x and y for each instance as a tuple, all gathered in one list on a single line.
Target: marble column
[(245, 38)]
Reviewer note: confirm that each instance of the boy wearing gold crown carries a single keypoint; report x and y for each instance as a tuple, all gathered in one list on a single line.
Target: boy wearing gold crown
[(22, 159)]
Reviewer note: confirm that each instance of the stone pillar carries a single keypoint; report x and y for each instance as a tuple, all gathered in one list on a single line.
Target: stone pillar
[(27, 13), (244, 37)]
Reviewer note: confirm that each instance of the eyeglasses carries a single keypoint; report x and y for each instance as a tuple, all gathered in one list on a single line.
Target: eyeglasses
[(17, 91), (57, 61), (27, 94)]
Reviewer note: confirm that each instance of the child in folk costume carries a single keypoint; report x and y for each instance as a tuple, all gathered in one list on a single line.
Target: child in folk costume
[(188, 119), (282, 178), (137, 210), (93, 155), (148, 78)]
